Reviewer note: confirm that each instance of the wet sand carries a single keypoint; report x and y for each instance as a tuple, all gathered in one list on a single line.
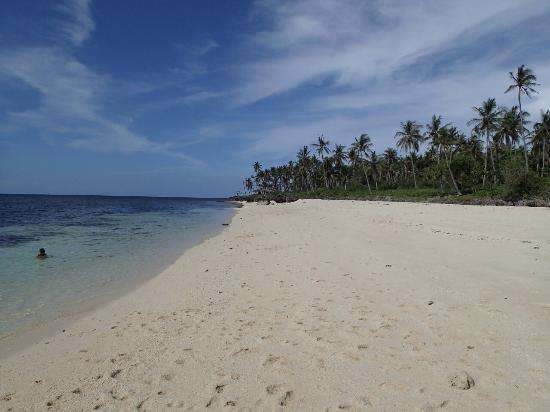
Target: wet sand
[(318, 305)]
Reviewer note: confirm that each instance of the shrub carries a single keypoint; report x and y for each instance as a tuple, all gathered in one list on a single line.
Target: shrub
[(517, 183)]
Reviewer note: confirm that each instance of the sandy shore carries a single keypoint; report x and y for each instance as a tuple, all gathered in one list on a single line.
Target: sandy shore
[(319, 305)]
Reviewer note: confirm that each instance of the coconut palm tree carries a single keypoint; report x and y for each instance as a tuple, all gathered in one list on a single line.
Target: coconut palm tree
[(322, 147), (509, 128), (525, 81), (432, 134), (363, 145), (449, 137), (304, 165), (409, 139), (338, 159), (248, 185), (390, 157), (373, 161), (541, 135), (487, 122)]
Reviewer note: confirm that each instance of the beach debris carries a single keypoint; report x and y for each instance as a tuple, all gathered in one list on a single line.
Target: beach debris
[(140, 404), (225, 224), (430, 302), (231, 403), (470, 346), (7, 397), (462, 380), (219, 388), (115, 373), (286, 398), (362, 346)]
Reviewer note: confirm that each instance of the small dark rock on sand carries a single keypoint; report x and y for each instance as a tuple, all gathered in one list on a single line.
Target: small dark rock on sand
[(462, 380)]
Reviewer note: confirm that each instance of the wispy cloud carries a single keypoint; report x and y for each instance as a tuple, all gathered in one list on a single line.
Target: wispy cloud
[(350, 66), (72, 96), (352, 41), (78, 23)]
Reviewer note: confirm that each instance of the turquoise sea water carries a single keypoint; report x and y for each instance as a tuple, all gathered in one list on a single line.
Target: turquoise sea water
[(97, 246)]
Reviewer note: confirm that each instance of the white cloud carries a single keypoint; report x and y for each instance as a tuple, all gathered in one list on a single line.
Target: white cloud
[(354, 41), (70, 103), (78, 22)]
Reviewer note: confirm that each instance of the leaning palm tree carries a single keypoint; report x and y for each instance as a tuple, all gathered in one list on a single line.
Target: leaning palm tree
[(487, 122), (448, 138), (409, 139), (363, 145), (525, 81), (322, 147)]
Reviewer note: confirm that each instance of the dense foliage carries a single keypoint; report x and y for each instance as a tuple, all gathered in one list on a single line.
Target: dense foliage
[(501, 154)]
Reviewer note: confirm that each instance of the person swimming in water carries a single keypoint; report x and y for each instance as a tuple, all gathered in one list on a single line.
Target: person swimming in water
[(41, 253)]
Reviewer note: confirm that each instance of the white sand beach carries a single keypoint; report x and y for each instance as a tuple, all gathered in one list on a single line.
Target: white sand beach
[(318, 305)]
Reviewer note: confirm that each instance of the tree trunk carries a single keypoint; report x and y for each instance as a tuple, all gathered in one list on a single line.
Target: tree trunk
[(493, 165), (452, 176), (523, 134), (486, 156), (414, 174), (543, 152), (367, 177), (440, 174)]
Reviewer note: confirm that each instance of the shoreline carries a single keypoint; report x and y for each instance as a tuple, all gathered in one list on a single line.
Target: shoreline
[(26, 336), (315, 305)]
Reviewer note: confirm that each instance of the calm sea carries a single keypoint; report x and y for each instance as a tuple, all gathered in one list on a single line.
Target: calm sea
[(98, 246)]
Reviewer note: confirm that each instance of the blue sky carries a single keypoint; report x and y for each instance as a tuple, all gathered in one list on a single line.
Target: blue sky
[(179, 98)]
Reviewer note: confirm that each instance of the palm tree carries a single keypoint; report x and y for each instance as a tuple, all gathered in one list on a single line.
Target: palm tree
[(257, 167), (509, 128), (373, 160), (322, 147), (541, 133), (363, 146), (304, 163), (338, 159), (487, 122), (390, 157), (448, 137), (432, 133), (248, 184), (409, 140), (525, 81)]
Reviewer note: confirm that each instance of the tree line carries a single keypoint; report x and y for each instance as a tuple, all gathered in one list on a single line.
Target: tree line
[(499, 150)]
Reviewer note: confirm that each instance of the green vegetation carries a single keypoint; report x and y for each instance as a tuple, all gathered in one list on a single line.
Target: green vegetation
[(501, 161)]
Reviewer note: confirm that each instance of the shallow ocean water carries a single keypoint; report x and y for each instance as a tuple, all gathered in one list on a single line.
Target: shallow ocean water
[(97, 246)]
